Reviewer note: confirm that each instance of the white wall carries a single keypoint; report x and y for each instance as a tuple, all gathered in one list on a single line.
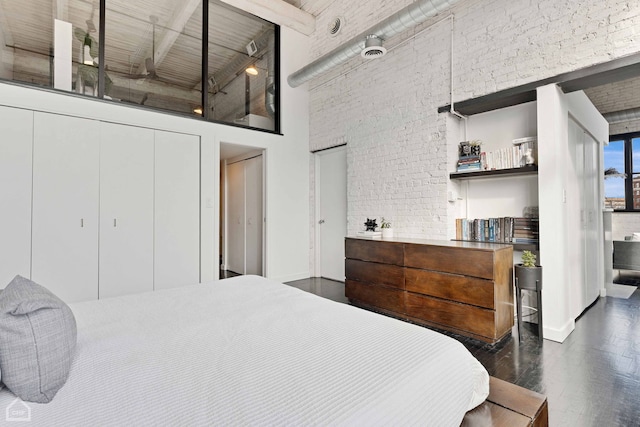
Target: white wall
[(624, 224), (497, 197), (400, 149), (286, 161), (399, 146)]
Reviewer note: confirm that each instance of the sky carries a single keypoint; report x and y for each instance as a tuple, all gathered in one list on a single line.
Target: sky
[(614, 157)]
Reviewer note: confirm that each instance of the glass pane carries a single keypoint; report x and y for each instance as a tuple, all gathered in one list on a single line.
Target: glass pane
[(636, 191), (153, 54), (241, 68), (635, 157), (51, 44), (614, 176)]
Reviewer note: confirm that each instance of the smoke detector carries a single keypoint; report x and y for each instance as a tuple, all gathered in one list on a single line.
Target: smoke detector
[(335, 26), (373, 47)]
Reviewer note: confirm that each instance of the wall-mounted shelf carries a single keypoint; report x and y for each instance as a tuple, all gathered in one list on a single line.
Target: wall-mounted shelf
[(525, 170), (516, 246)]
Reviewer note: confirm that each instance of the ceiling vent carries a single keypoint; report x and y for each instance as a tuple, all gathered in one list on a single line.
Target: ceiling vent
[(373, 47), (335, 26)]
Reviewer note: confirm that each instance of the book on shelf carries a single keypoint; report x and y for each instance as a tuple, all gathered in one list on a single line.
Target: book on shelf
[(498, 230)]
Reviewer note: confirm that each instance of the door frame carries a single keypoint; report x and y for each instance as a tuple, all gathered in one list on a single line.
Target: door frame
[(317, 265), (251, 153)]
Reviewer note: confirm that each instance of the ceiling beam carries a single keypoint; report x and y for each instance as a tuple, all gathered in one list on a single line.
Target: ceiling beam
[(4, 27), (316, 7), (172, 30), (60, 10), (278, 12)]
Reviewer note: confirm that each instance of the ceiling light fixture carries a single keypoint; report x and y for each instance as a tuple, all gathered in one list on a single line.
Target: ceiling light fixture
[(252, 70)]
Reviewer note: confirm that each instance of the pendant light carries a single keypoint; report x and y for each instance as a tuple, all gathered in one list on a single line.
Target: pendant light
[(87, 59)]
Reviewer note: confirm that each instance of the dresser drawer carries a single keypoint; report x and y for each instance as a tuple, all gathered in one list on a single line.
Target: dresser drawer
[(463, 317), (469, 290), (375, 251), (476, 263), (375, 296), (380, 274)]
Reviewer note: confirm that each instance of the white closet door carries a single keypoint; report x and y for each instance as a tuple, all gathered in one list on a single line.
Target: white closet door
[(16, 145), (177, 210), (126, 210), (253, 191), (65, 205), (236, 239)]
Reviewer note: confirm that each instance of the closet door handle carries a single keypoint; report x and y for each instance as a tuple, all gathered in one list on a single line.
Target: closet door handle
[(115, 224), (81, 222)]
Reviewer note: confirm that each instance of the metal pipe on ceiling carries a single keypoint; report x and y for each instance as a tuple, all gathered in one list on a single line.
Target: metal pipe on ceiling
[(412, 15), (622, 115)]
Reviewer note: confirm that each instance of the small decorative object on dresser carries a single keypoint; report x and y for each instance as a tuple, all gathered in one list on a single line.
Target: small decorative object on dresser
[(387, 231), (370, 225), (528, 276)]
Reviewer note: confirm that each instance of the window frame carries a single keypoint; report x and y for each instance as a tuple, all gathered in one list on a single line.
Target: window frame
[(100, 94), (627, 139)]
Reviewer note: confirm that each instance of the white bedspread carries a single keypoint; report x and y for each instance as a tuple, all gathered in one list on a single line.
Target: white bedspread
[(250, 351)]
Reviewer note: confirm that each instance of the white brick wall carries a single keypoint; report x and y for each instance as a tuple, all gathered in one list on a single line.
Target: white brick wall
[(399, 148), (624, 224)]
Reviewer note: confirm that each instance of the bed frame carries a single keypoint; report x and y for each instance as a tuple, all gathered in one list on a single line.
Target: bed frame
[(509, 405)]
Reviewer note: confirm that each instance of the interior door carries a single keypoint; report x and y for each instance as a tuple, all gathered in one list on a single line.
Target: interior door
[(176, 210), (592, 212), (16, 144), (331, 172), (254, 215), (65, 205), (126, 210), (583, 204), (236, 218)]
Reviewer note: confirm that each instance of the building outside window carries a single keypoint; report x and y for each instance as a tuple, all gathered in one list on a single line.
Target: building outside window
[(622, 172)]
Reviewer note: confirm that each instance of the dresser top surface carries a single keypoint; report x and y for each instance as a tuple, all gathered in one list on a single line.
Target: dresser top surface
[(442, 243)]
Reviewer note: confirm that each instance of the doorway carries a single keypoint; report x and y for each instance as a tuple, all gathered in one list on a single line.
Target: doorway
[(242, 208), (331, 212)]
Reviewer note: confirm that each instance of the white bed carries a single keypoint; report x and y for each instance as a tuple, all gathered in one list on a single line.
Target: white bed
[(250, 351)]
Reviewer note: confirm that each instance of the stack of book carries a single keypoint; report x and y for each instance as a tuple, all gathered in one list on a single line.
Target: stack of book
[(469, 164), (512, 157), (525, 230), (498, 230)]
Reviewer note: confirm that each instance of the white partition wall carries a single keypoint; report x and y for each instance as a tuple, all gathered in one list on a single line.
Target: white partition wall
[(16, 142), (126, 209), (569, 254), (177, 210), (65, 205)]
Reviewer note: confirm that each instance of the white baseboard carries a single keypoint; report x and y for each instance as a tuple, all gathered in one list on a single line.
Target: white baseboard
[(561, 334)]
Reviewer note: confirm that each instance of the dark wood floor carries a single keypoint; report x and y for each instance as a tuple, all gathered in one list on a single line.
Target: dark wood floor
[(592, 379)]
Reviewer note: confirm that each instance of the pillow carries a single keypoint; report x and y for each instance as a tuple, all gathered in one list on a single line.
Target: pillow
[(37, 340)]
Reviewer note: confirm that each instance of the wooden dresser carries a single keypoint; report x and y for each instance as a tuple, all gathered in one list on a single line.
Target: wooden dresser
[(462, 287)]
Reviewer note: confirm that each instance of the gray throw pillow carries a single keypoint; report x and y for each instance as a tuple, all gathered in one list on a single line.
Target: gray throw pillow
[(37, 340)]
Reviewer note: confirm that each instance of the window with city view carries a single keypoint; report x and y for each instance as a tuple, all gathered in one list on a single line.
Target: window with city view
[(622, 172)]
